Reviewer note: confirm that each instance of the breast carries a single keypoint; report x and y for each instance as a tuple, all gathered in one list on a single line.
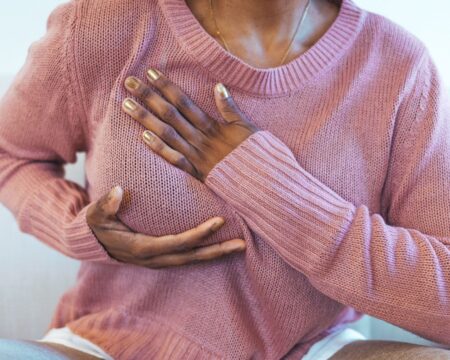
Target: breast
[(159, 199)]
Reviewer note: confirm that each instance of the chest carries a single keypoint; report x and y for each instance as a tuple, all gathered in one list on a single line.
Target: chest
[(343, 144)]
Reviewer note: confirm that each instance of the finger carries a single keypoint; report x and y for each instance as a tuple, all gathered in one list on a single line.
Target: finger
[(226, 105), (143, 246), (152, 123), (166, 152), (160, 107), (109, 204), (206, 253), (117, 238), (179, 99), (102, 219), (169, 244)]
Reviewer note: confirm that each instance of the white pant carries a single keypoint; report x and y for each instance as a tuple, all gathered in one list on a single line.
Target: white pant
[(66, 337), (331, 344), (321, 350)]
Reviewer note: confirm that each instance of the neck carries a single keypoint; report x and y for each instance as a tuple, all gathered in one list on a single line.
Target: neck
[(255, 14), (260, 31)]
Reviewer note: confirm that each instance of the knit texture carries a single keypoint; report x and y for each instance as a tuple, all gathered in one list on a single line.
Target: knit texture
[(343, 196)]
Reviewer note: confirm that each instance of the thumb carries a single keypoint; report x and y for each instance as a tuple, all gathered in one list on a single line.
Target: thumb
[(226, 105), (110, 203)]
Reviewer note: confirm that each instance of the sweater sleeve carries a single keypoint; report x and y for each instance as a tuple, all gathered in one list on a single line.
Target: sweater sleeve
[(41, 129), (395, 267)]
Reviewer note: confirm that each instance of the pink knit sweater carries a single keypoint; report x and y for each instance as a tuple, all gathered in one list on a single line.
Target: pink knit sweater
[(343, 197)]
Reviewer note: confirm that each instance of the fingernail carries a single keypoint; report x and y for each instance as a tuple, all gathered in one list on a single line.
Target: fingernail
[(222, 91), (234, 246), (217, 225), (149, 136), (153, 74), (116, 190), (130, 104), (132, 83)]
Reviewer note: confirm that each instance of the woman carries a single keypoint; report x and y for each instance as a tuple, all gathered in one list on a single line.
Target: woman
[(329, 164)]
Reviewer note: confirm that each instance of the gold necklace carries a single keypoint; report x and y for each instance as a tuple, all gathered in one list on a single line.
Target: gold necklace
[(305, 10)]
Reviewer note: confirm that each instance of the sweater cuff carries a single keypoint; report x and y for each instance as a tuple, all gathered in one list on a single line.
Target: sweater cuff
[(56, 214), (298, 215), (81, 240)]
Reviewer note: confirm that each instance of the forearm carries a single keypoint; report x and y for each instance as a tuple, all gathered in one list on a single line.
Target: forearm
[(353, 256), (48, 206)]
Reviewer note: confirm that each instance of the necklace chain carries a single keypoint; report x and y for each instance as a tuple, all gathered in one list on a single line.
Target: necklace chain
[(286, 53)]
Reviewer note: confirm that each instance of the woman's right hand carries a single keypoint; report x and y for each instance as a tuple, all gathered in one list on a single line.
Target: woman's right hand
[(153, 252)]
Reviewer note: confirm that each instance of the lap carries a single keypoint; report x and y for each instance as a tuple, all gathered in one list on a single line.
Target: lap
[(361, 350), (24, 350), (389, 350)]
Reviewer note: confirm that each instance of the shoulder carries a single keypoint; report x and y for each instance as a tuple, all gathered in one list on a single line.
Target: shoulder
[(391, 43), (404, 50), (110, 29), (408, 66), (107, 33), (113, 11), (112, 23)]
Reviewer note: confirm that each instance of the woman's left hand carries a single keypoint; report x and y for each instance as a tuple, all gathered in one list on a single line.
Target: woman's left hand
[(181, 132)]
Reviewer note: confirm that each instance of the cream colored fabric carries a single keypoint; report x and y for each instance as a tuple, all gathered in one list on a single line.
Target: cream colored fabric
[(330, 345), (65, 336)]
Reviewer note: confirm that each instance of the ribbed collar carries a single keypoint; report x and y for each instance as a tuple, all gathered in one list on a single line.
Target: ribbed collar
[(234, 72)]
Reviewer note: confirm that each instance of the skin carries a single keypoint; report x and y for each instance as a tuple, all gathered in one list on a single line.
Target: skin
[(259, 31)]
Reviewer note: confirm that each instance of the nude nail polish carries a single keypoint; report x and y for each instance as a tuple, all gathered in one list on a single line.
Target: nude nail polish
[(153, 74), (130, 105), (222, 91)]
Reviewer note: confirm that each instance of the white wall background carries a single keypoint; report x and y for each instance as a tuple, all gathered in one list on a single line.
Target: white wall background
[(34, 276)]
